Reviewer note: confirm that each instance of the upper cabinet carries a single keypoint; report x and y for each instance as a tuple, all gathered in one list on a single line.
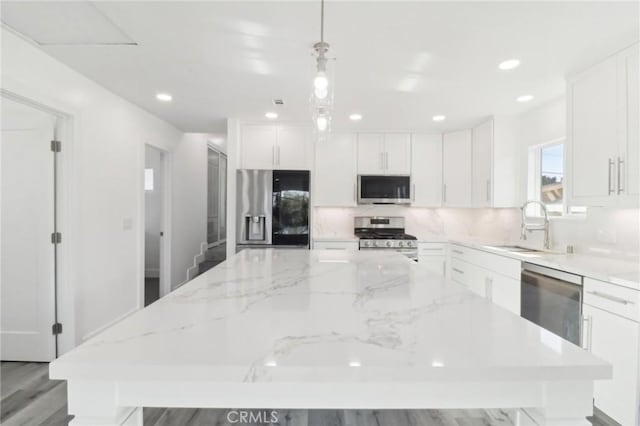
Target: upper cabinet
[(456, 164), (335, 172), (275, 147), (603, 141), (426, 170), (384, 154), (481, 164)]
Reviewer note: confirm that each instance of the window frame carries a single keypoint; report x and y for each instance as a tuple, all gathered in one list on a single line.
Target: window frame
[(534, 177)]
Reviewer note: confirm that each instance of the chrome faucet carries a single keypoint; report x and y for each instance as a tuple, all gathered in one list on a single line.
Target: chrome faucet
[(529, 227)]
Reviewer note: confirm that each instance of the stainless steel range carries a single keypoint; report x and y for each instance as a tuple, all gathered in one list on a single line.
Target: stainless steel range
[(385, 233)]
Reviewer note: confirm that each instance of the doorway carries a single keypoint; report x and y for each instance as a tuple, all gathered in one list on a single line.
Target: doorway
[(29, 241), (154, 220)]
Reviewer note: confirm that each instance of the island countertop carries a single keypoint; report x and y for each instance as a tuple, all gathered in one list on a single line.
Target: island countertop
[(300, 316)]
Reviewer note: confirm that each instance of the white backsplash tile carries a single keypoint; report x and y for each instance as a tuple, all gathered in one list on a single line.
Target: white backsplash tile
[(604, 231)]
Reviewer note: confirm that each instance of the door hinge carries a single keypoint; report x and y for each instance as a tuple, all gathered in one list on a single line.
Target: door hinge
[(56, 146), (56, 238), (56, 329)]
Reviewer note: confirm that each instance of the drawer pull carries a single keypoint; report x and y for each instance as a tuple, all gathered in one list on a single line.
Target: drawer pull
[(430, 249), (457, 251), (460, 271), (611, 298)]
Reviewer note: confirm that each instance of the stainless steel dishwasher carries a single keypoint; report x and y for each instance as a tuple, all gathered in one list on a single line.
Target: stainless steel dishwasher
[(553, 300)]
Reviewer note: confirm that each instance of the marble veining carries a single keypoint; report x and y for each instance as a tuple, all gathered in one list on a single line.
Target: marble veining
[(320, 316)]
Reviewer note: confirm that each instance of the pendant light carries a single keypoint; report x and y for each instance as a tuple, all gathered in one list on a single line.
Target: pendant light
[(322, 90)]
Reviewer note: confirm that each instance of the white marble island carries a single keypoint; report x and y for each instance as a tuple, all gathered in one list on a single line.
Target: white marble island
[(325, 329)]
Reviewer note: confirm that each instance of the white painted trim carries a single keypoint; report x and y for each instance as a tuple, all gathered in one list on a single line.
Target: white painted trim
[(102, 328)]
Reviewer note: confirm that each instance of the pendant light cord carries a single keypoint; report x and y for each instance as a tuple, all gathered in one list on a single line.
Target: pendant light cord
[(322, 21)]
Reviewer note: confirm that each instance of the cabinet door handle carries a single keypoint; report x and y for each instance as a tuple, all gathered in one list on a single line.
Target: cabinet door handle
[(488, 190), (460, 271), (278, 147), (611, 298), (620, 164), (355, 192), (413, 192), (457, 251), (585, 331), (386, 160), (444, 192), (380, 164), (611, 164), (273, 155)]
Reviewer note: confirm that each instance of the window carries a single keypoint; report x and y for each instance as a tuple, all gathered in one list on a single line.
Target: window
[(546, 176)]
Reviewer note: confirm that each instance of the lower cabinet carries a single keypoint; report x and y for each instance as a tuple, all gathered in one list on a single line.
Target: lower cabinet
[(432, 256), (488, 275), (611, 334), (336, 245)]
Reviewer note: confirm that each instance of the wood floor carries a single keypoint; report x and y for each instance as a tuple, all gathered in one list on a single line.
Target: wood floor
[(30, 398)]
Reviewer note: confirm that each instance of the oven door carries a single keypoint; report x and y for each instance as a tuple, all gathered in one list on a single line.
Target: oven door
[(553, 300), (376, 189)]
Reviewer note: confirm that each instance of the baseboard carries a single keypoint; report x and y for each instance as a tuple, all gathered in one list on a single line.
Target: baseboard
[(152, 273), (107, 325)]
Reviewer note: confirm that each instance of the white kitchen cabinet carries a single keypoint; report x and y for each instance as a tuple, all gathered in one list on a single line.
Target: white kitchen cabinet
[(488, 275), (481, 165), (370, 153), (397, 148), (456, 164), (335, 172), (432, 256), (426, 170), (258, 144), (629, 148), (503, 291), (384, 153), (603, 142), (273, 147), (615, 340), (293, 148)]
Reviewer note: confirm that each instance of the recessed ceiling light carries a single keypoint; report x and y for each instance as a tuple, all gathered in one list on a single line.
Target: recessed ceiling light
[(164, 97), (509, 64), (354, 364), (355, 117), (524, 98), (439, 117), (271, 115)]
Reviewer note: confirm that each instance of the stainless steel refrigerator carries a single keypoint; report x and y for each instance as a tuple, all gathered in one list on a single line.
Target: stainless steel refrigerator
[(272, 208)]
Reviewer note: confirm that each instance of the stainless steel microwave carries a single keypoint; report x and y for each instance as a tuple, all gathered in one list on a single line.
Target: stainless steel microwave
[(382, 189)]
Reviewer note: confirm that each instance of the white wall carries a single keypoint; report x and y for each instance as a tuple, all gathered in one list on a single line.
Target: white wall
[(103, 196), (153, 213), (189, 203)]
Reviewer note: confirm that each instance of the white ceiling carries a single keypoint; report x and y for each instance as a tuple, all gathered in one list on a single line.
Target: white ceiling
[(398, 63)]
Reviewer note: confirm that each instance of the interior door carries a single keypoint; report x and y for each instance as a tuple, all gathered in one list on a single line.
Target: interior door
[(27, 222)]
